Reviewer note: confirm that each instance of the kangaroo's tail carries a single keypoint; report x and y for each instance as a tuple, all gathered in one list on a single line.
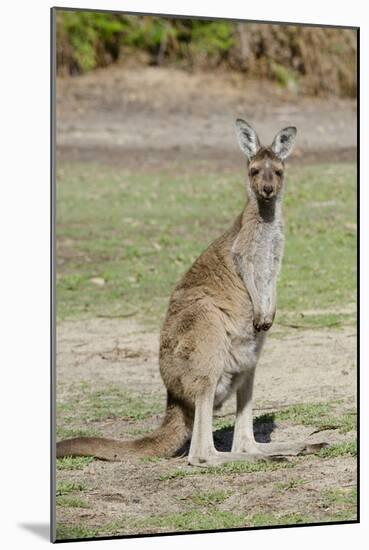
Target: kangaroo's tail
[(173, 432)]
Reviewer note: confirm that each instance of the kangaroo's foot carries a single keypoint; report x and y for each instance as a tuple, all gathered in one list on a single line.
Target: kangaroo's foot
[(216, 458), (289, 449)]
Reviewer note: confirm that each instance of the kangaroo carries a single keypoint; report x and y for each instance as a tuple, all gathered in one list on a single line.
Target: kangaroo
[(215, 327)]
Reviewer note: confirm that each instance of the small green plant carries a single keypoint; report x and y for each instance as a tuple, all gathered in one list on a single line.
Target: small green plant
[(211, 498), (177, 474), (73, 463), (340, 503), (339, 449), (215, 38), (66, 487), (150, 459), (322, 415), (71, 501), (340, 496), (290, 484), (197, 520), (223, 424), (248, 467), (68, 532), (285, 76), (111, 402), (63, 432), (138, 431), (265, 519), (93, 38), (71, 282), (230, 468)]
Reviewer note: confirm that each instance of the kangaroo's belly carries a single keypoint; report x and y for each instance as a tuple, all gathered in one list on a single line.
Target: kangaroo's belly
[(242, 355)]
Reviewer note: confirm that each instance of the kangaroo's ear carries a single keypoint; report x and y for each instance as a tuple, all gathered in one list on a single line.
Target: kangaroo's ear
[(247, 138), (284, 141)]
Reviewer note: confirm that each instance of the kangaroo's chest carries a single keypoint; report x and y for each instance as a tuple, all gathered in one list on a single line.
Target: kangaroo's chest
[(267, 256)]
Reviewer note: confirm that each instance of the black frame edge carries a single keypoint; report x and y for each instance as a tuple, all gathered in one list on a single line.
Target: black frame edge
[(358, 267), (52, 276), (206, 17)]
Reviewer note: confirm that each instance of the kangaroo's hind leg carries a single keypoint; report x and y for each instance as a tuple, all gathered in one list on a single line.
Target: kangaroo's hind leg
[(202, 449), (244, 439)]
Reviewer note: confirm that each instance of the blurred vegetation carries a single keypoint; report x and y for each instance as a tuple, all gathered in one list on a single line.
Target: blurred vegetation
[(310, 60)]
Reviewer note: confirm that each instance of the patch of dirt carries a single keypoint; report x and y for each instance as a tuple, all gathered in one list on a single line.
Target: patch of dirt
[(295, 367), (157, 117)]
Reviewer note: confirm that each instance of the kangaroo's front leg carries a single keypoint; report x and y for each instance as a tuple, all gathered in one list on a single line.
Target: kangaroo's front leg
[(262, 318), (272, 298), (245, 267), (272, 307)]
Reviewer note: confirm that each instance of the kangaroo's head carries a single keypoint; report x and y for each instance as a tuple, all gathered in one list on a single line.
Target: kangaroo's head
[(265, 164)]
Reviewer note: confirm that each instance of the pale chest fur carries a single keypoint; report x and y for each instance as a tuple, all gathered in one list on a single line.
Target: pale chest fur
[(266, 258)]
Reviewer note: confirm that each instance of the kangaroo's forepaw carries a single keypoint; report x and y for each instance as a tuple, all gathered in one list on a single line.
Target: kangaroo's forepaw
[(262, 323)]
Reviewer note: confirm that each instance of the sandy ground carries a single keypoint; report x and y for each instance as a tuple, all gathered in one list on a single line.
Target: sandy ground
[(297, 366), (158, 115)]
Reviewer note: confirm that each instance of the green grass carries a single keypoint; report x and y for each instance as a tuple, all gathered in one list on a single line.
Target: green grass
[(342, 515), (63, 432), (341, 503), (323, 416), (138, 431), (64, 532), (194, 520), (211, 498), (150, 459), (290, 484), (71, 501), (197, 521), (73, 462), (340, 496), (186, 521), (339, 449), (230, 468), (223, 424), (266, 519), (67, 487), (110, 402), (141, 231)]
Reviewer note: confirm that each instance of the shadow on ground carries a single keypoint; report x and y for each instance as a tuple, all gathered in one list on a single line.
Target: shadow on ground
[(264, 426)]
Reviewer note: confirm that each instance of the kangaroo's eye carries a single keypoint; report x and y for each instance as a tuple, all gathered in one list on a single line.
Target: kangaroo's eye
[(254, 172), (279, 173)]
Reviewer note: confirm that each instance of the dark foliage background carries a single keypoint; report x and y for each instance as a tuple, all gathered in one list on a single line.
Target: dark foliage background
[(308, 60)]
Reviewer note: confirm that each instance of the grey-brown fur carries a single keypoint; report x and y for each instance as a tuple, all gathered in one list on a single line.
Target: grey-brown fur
[(215, 326)]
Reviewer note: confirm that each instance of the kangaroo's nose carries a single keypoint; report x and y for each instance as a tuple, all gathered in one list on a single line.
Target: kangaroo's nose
[(268, 189)]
